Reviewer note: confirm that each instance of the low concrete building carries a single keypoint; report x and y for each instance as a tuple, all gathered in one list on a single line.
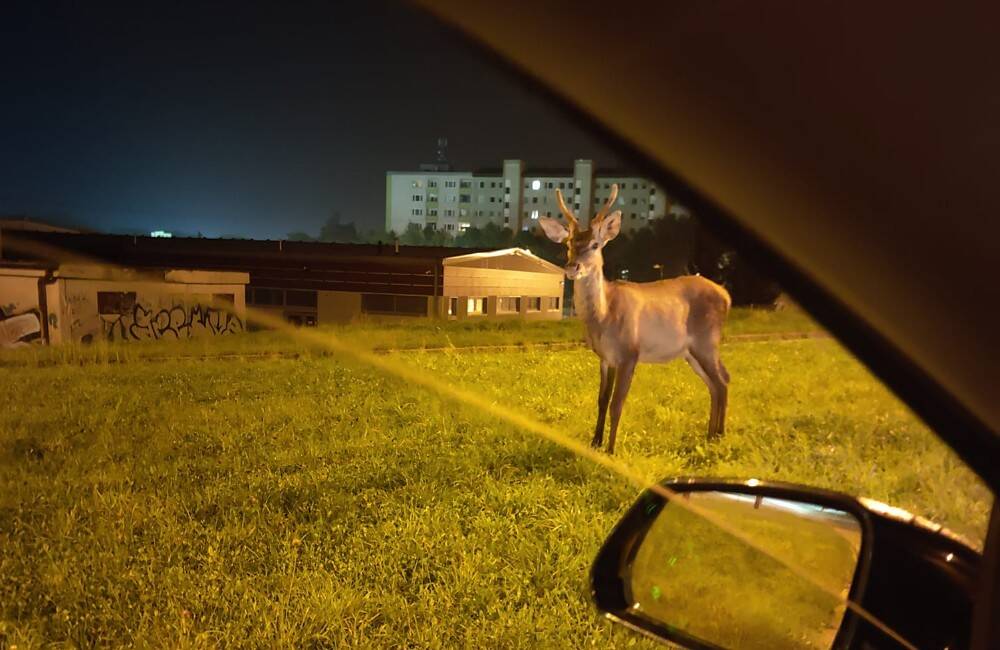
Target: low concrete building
[(87, 302), (312, 283)]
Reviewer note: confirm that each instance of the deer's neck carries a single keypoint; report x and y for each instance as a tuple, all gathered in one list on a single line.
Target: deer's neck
[(590, 298)]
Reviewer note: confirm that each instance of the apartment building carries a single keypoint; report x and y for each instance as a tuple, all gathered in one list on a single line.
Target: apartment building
[(513, 197)]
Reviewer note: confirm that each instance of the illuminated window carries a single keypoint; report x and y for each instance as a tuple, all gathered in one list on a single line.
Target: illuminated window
[(464, 226), (476, 306), (536, 184)]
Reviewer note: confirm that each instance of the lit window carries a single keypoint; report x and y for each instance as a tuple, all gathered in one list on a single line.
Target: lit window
[(534, 214), (464, 226), (476, 306), (536, 184)]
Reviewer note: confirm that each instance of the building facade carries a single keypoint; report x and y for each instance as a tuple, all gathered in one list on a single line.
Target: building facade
[(151, 287), (514, 198)]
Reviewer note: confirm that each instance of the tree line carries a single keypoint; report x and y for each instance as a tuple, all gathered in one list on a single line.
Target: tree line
[(662, 248)]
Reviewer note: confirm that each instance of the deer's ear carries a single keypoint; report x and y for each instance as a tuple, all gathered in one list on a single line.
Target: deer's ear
[(553, 229), (610, 226)]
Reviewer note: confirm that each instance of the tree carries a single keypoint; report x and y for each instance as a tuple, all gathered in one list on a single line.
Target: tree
[(334, 231), (413, 235), (299, 236)]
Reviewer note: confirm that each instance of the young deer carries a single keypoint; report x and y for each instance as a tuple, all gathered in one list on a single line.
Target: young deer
[(628, 322)]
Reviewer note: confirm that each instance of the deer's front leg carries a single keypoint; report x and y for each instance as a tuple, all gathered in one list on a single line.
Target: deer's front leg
[(623, 381), (603, 397)]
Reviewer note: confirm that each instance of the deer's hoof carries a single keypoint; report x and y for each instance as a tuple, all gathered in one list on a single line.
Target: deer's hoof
[(596, 443)]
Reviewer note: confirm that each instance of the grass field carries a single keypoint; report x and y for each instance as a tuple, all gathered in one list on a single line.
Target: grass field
[(312, 502)]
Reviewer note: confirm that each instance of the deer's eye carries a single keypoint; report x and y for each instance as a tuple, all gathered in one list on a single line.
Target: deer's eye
[(593, 246)]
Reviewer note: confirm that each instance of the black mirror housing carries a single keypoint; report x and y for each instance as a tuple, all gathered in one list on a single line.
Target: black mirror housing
[(913, 576)]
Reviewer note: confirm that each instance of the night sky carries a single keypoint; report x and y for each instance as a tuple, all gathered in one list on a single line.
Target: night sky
[(245, 119)]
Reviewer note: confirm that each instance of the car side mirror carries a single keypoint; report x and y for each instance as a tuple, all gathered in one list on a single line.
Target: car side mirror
[(710, 564)]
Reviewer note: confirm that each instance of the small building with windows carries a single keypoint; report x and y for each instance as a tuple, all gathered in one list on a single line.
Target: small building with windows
[(313, 283)]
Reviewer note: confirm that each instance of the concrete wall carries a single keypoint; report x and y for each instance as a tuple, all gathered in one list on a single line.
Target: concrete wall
[(95, 303), (88, 303), (20, 310)]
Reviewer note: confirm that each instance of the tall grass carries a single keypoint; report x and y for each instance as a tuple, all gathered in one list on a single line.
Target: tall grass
[(402, 334)]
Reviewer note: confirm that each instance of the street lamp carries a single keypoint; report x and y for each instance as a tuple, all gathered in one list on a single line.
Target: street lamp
[(660, 267)]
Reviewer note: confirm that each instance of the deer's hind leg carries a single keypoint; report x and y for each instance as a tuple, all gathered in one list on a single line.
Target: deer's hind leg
[(707, 365)]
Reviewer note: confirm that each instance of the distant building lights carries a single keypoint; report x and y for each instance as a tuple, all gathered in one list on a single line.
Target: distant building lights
[(161, 233)]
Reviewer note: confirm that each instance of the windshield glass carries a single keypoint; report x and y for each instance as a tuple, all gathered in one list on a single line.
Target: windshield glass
[(303, 315)]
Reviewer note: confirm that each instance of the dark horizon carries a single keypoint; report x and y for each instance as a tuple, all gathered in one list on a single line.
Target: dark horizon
[(249, 119)]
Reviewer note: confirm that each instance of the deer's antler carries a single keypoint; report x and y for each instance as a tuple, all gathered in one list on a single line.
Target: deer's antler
[(570, 217), (603, 212)]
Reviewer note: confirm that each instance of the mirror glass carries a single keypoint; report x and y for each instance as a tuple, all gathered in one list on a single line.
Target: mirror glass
[(691, 575)]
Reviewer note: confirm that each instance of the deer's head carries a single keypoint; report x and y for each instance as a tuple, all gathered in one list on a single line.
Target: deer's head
[(583, 247)]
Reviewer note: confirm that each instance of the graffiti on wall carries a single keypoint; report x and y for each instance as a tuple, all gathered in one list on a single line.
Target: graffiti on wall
[(19, 330), (179, 321)]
